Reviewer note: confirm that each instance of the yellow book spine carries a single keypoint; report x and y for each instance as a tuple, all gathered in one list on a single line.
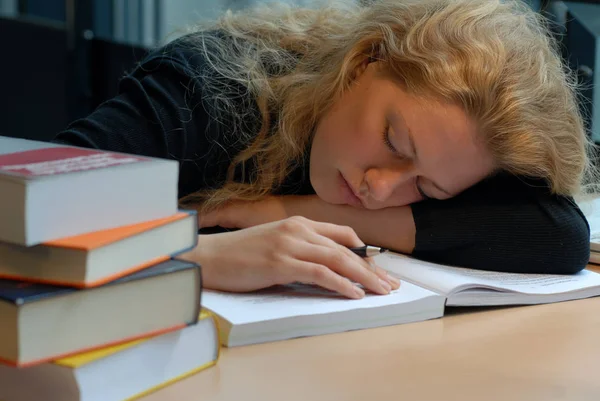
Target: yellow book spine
[(213, 316), (173, 380)]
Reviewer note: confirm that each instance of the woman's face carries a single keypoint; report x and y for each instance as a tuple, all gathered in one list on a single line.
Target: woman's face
[(379, 146)]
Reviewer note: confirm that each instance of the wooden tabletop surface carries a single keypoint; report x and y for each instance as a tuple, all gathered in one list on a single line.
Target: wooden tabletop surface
[(541, 352)]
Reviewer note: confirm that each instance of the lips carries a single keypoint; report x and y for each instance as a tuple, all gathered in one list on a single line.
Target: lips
[(348, 194)]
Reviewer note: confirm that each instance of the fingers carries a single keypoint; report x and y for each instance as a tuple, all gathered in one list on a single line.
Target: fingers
[(342, 235), (383, 274), (333, 235), (308, 272), (324, 252), (339, 257)]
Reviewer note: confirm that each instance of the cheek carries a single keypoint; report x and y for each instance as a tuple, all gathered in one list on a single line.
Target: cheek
[(331, 132), (351, 135), (337, 141), (403, 195), (362, 140)]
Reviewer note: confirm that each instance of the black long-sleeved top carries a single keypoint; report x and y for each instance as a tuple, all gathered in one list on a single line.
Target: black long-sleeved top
[(505, 223)]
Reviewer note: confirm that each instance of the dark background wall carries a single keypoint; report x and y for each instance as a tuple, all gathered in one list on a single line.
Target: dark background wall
[(33, 98), (54, 67)]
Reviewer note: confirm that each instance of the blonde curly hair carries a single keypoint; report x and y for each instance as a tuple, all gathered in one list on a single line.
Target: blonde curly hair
[(496, 59)]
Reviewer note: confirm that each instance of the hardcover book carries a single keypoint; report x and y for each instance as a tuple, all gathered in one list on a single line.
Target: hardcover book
[(51, 191)]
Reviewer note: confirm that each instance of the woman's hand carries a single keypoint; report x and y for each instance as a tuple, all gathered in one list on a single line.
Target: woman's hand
[(291, 250)]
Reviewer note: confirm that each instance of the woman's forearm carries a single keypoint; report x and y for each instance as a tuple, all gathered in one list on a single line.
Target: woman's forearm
[(392, 228)]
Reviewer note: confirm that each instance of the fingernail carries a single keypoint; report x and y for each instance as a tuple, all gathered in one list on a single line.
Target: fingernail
[(393, 280), (359, 292), (386, 286)]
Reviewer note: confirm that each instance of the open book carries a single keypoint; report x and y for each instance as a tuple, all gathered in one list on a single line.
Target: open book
[(469, 287), (297, 310)]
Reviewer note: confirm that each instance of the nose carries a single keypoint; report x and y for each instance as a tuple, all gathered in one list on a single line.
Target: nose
[(380, 183)]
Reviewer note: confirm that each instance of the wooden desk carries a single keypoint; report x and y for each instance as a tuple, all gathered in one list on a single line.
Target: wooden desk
[(543, 352)]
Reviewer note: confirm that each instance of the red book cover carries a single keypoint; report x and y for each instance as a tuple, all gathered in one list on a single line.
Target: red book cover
[(60, 160)]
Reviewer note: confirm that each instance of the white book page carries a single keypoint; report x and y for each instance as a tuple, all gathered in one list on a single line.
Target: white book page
[(447, 280), (299, 300)]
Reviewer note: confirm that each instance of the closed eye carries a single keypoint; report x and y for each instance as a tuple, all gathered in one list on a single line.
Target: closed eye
[(386, 139)]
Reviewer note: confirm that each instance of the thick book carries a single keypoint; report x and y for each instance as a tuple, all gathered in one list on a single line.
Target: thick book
[(298, 310), (40, 322), (49, 191), (95, 258), (124, 372)]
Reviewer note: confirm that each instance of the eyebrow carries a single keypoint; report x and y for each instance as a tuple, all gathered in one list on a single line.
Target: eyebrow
[(413, 148)]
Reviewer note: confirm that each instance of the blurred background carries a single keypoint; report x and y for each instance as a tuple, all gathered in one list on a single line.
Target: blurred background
[(60, 58)]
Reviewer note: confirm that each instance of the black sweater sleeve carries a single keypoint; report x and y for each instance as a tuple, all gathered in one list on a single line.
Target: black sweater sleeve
[(506, 223)]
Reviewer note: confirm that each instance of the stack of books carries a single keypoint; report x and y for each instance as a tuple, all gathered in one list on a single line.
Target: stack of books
[(94, 303)]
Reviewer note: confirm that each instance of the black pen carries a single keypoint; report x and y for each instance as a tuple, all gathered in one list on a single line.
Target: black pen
[(368, 251)]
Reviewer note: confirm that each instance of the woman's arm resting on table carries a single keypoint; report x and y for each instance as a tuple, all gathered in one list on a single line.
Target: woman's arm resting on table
[(486, 228), (503, 224), (392, 228)]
